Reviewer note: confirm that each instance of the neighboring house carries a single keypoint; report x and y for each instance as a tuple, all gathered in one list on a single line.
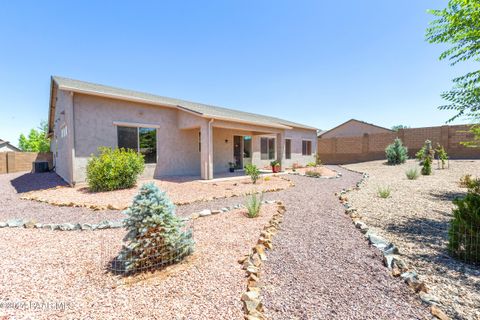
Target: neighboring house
[(177, 137), (5, 146), (353, 128)]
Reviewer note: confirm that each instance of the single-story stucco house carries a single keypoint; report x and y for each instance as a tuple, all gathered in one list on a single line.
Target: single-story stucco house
[(177, 137), (353, 128)]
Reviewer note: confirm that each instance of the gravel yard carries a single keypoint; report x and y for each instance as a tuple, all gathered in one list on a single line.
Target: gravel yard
[(322, 170), (68, 268), (322, 267), (13, 186), (416, 218), (180, 190)]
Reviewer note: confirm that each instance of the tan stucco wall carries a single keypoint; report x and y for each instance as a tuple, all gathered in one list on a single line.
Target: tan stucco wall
[(177, 136), (62, 147), (354, 129), (177, 150)]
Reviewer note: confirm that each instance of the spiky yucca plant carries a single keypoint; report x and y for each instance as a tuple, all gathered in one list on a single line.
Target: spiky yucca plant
[(156, 235)]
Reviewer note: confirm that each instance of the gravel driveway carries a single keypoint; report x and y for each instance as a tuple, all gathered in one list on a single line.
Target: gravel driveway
[(321, 266)]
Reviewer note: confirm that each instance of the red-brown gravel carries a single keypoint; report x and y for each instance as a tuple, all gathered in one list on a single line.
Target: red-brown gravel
[(68, 267), (322, 267)]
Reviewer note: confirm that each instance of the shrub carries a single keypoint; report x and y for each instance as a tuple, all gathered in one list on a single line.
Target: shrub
[(311, 164), (384, 192), (254, 204), (419, 154), (464, 232), (412, 173), (252, 171), (311, 173), (465, 181), (442, 155), (156, 235), (114, 169), (396, 153), (427, 166), (318, 161)]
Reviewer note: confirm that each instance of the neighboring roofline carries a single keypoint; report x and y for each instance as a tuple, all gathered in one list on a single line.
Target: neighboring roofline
[(9, 144), (341, 124), (151, 102)]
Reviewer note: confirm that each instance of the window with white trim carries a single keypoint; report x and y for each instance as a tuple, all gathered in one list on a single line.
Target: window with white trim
[(142, 140), (306, 147), (267, 148)]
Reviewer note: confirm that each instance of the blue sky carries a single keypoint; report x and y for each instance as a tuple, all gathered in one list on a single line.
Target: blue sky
[(313, 62)]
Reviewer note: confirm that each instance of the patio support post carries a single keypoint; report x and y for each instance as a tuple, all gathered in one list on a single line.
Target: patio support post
[(206, 152), (281, 149)]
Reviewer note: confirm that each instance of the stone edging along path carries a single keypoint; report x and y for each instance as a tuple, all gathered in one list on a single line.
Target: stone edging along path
[(391, 258), (112, 224), (252, 263), (111, 207)]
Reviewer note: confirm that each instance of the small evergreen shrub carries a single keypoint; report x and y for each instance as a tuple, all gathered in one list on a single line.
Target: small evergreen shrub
[(254, 204), (419, 155), (384, 192), (114, 169), (156, 235), (311, 173), (427, 166), (253, 172), (412, 173), (396, 153), (464, 232), (441, 155)]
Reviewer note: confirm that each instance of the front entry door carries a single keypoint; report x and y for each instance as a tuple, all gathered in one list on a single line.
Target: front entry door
[(238, 151)]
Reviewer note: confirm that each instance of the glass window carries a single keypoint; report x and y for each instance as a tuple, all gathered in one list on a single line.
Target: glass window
[(288, 149), (148, 144), (127, 138), (247, 147), (306, 147), (267, 148), (142, 140)]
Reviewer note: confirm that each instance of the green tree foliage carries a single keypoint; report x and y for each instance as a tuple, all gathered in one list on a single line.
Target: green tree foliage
[(253, 172), (37, 140), (114, 169), (458, 26), (464, 232), (156, 235), (399, 126), (396, 153)]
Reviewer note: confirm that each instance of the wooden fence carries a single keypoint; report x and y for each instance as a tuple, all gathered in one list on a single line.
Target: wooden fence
[(372, 146), (22, 161)]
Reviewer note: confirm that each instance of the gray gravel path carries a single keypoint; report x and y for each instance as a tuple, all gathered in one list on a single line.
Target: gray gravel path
[(322, 268)]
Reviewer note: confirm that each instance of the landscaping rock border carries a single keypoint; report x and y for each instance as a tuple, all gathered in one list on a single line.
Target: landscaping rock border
[(106, 224), (336, 176), (252, 263), (391, 259), (110, 207)]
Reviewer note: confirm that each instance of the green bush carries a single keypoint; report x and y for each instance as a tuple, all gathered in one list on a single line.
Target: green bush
[(396, 153), (419, 155), (311, 164), (384, 192), (441, 155), (412, 173), (114, 169), (252, 171), (311, 173), (253, 204), (464, 232), (427, 166), (156, 235)]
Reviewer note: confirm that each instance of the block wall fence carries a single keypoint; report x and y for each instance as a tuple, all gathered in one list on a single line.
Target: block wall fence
[(372, 146), (22, 161)]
